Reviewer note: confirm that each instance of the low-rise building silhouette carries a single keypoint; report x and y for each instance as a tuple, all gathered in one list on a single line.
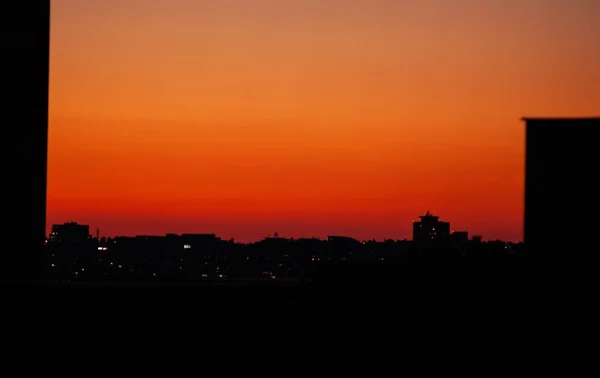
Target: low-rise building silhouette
[(460, 239)]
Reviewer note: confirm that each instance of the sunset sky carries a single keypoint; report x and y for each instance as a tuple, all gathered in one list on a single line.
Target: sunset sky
[(307, 117)]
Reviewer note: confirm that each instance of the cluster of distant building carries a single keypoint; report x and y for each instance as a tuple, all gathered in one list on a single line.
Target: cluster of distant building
[(73, 253), (429, 229)]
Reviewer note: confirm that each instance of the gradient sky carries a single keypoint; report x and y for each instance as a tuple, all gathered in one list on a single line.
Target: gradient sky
[(307, 117)]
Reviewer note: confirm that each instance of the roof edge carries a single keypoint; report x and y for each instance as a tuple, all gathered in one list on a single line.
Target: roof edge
[(590, 118)]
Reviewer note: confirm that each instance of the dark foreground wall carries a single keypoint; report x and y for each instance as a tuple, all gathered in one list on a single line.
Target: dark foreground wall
[(24, 67), (561, 186)]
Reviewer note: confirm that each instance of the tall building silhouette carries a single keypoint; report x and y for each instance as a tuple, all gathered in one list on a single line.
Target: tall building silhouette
[(430, 228), (561, 186)]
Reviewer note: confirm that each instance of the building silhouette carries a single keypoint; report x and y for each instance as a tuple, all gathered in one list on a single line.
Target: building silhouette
[(430, 228), (460, 239), (70, 232), (460, 236), (561, 186)]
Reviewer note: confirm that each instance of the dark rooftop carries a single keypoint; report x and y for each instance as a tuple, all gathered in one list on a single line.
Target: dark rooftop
[(561, 119)]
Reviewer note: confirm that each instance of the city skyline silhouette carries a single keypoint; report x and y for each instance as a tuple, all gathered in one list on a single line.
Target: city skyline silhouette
[(441, 300), (95, 232)]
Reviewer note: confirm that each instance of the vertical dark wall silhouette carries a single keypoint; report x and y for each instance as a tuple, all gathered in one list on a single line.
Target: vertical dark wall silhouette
[(561, 187), (24, 45)]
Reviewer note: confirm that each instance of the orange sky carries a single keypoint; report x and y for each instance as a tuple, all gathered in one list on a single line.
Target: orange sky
[(307, 117)]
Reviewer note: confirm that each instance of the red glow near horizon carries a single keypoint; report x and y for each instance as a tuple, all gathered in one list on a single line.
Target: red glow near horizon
[(303, 118)]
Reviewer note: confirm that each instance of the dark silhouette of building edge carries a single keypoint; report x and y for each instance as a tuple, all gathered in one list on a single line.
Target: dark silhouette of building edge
[(561, 196), (25, 30)]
